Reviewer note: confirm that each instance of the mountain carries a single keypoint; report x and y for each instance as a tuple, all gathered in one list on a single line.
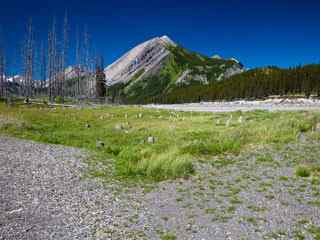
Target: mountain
[(258, 83), (154, 68), (144, 59)]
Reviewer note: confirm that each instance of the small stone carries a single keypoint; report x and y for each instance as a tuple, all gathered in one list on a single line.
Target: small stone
[(189, 227), (240, 120), (26, 101), (317, 127), (99, 144), (228, 122), (16, 211), (302, 138), (118, 127), (151, 139), (87, 125)]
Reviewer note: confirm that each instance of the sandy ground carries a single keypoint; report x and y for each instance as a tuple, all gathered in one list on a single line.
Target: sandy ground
[(269, 105)]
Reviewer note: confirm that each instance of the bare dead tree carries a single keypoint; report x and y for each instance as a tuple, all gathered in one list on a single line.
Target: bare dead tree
[(65, 52), (43, 70), (2, 70), (78, 68), (29, 61), (86, 52), (50, 65), (52, 57), (2, 75)]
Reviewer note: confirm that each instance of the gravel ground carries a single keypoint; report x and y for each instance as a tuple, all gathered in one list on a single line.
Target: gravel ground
[(269, 105), (252, 196)]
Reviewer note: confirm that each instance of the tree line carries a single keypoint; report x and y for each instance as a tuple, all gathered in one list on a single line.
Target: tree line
[(253, 84)]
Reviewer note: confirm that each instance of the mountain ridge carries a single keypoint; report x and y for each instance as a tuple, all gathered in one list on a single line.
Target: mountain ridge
[(159, 65)]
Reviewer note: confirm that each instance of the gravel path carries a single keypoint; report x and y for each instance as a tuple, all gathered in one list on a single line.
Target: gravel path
[(251, 196), (42, 195)]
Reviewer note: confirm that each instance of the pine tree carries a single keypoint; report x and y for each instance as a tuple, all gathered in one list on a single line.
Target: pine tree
[(100, 79)]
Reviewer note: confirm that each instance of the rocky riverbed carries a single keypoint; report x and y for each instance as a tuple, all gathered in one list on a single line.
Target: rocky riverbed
[(297, 104)]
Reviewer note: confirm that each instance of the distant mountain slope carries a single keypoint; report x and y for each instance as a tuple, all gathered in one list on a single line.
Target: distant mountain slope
[(158, 66), (253, 84)]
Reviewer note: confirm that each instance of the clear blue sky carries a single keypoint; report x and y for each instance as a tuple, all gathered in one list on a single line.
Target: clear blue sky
[(258, 33)]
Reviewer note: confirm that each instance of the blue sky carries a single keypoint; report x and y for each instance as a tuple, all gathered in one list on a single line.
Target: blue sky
[(258, 33)]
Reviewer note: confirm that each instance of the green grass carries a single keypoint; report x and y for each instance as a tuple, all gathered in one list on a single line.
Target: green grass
[(168, 236), (182, 139), (267, 158), (315, 231), (303, 171)]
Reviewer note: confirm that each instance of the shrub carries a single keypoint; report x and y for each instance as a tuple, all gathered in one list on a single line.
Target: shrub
[(303, 171), (58, 99)]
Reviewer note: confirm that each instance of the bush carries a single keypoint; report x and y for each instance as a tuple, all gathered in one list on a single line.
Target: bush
[(58, 99), (303, 171)]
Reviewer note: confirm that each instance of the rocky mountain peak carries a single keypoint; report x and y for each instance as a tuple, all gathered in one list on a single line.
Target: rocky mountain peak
[(142, 59)]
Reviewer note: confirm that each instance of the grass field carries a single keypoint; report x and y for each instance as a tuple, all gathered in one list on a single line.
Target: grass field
[(151, 144)]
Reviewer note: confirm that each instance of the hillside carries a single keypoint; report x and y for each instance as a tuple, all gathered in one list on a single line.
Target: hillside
[(155, 68), (253, 84)]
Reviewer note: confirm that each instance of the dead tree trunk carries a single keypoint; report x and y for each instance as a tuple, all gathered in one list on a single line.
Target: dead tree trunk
[(64, 55), (2, 72), (52, 55), (78, 67), (86, 62), (43, 71), (28, 61)]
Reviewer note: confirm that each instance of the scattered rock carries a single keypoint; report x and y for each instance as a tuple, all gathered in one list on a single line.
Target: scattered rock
[(16, 211), (99, 144), (228, 122), (240, 120), (302, 138), (151, 139), (87, 125), (118, 127), (317, 127), (26, 101)]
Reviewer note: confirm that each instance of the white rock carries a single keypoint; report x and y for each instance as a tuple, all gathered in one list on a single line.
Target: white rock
[(118, 127), (99, 144), (151, 139), (240, 120)]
